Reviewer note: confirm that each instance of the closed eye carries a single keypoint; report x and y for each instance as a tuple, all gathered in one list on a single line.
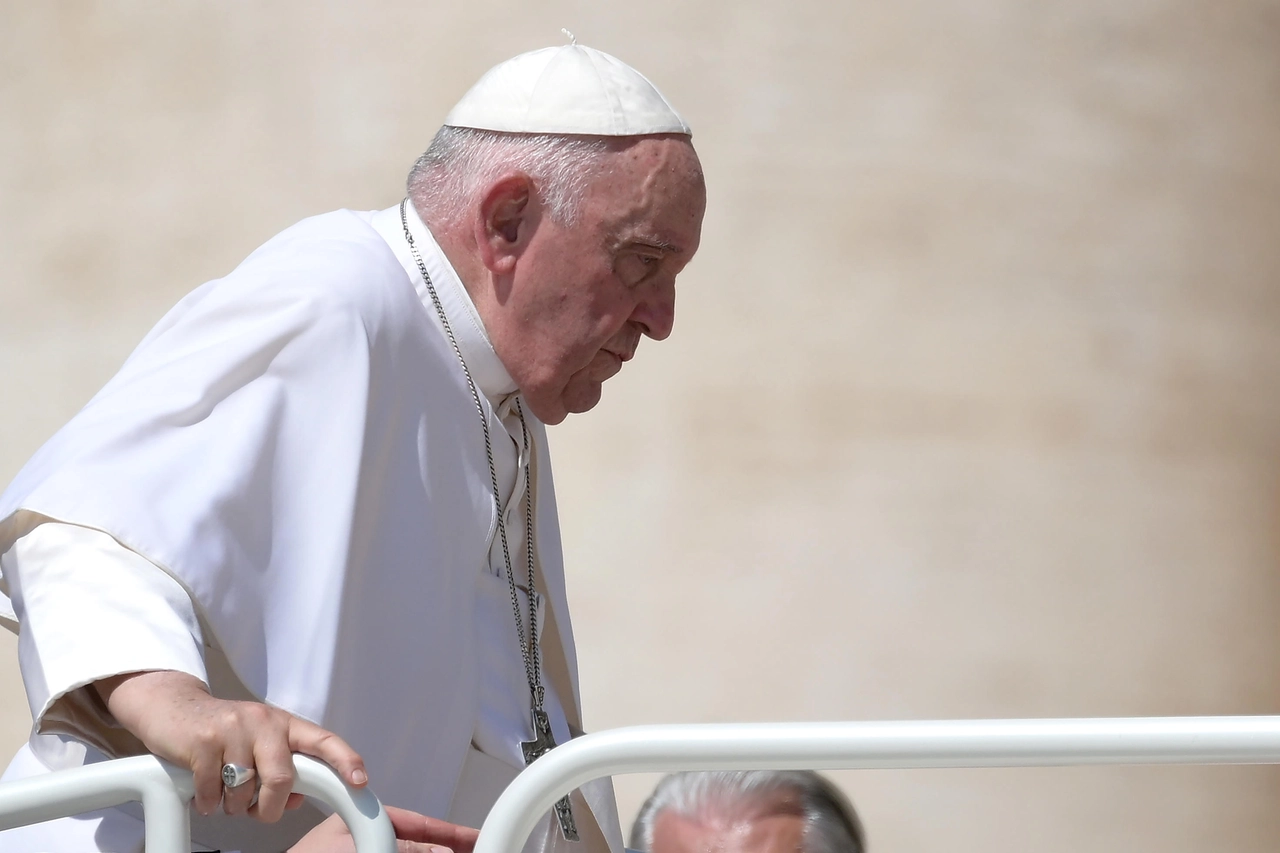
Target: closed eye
[(634, 267)]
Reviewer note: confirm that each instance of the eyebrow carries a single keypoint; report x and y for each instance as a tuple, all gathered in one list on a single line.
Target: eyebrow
[(647, 241)]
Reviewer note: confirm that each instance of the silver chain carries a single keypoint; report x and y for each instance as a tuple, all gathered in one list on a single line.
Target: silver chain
[(529, 647)]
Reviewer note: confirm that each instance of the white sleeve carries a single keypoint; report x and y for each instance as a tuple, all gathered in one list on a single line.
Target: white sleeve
[(89, 608)]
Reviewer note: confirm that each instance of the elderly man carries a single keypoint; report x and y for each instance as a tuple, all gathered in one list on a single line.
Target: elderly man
[(314, 511), (757, 811)]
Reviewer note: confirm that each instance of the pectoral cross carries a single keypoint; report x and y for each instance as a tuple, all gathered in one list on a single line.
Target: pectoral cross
[(542, 743)]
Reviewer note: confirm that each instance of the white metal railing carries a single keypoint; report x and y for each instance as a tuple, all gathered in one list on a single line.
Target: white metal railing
[(849, 746), (165, 791)]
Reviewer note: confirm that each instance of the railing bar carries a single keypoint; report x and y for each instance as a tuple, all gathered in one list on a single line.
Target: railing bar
[(872, 745), (165, 791)]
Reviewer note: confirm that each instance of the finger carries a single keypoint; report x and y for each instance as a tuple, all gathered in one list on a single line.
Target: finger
[(403, 846), (412, 826), (275, 772), (206, 773), (312, 740), (238, 799), (465, 839), (294, 801)]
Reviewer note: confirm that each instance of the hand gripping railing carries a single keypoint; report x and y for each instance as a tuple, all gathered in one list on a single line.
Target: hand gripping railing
[(165, 792), (818, 746)]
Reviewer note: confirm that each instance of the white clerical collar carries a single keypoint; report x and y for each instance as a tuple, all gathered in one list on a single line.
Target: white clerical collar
[(486, 368)]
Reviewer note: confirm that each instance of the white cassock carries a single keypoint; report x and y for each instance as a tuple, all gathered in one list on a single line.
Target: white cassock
[(285, 491)]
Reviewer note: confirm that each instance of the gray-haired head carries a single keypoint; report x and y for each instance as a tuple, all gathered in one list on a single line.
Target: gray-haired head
[(461, 163), (831, 824), (552, 114)]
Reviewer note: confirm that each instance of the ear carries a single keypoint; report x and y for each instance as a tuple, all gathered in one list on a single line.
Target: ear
[(506, 222)]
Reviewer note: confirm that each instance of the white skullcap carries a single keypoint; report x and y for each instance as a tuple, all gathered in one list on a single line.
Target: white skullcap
[(566, 90)]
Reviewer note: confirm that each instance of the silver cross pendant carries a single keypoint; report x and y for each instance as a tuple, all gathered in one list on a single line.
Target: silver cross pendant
[(542, 743)]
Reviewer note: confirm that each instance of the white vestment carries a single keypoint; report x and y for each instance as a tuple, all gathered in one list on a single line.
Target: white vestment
[(296, 446)]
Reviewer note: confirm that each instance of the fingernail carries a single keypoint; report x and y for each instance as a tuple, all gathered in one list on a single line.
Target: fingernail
[(441, 850), (358, 777)]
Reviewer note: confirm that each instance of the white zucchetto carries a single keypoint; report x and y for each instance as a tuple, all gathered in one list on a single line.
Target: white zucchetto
[(566, 90)]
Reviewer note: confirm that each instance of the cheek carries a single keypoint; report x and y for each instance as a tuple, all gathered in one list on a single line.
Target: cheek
[(591, 323), (578, 309)]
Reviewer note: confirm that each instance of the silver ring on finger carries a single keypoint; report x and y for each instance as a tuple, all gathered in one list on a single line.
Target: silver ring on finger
[(235, 775)]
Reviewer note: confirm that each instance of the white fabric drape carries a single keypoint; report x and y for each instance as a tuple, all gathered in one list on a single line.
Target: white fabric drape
[(295, 445)]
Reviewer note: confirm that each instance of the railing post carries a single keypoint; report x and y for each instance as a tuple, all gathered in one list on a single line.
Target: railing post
[(166, 798), (165, 792)]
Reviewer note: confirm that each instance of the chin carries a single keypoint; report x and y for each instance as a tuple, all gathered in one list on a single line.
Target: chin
[(553, 418), (578, 397), (581, 402), (550, 413)]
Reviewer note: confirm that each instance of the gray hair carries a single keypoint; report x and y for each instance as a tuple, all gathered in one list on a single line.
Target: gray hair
[(461, 162), (831, 824)]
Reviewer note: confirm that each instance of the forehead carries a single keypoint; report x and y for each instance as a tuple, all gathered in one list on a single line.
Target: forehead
[(652, 188), (773, 832)]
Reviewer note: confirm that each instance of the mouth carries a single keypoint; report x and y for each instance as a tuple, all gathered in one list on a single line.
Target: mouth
[(623, 357)]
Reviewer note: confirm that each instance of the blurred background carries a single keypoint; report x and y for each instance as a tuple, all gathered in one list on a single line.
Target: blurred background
[(971, 409)]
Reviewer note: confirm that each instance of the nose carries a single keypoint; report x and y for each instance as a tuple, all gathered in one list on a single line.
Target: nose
[(656, 313)]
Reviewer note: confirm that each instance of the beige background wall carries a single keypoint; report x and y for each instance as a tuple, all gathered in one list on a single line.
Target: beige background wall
[(971, 408)]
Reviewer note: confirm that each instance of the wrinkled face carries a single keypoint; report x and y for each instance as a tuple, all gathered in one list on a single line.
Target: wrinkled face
[(581, 297), (777, 832)]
